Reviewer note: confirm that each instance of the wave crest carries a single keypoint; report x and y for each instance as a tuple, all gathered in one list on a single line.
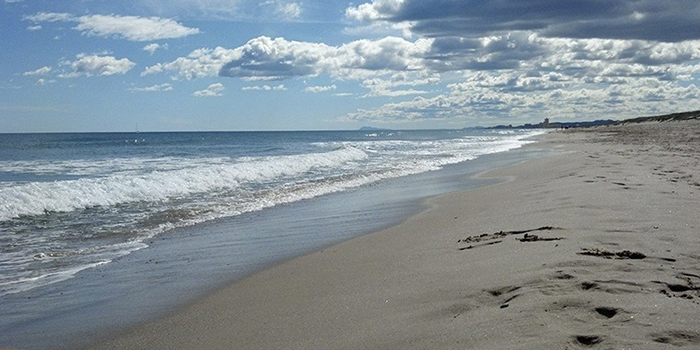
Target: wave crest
[(37, 198)]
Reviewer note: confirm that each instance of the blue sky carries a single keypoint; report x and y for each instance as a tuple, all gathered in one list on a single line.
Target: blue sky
[(156, 65)]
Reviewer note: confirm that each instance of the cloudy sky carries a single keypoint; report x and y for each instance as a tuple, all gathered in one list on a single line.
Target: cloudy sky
[(167, 65)]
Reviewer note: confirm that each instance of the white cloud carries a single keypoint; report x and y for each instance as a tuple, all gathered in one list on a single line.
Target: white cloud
[(320, 88), (264, 58), (386, 54), (154, 88), (526, 77), (290, 10), (34, 28), (157, 68), (377, 10), (284, 10), (198, 64), (485, 98), (94, 65), (212, 90), (131, 28), (386, 86), (42, 81), (622, 19), (152, 48), (280, 87), (41, 71), (508, 74), (50, 17)]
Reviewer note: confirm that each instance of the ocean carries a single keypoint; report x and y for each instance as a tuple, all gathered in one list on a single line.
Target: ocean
[(73, 205)]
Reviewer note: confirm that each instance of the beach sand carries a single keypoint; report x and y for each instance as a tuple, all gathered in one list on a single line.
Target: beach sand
[(596, 246)]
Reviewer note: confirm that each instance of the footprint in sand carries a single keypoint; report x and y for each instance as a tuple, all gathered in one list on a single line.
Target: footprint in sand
[(588, 340), (677, 338), (687, 290), (503, 291), (607, 312)]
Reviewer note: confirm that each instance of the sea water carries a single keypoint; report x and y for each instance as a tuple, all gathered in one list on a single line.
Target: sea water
[(79, 202)]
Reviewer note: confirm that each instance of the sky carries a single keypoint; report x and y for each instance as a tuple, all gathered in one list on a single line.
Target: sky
[(220, 65)]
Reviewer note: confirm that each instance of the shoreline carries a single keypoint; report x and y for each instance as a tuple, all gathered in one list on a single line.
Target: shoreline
[(182, 266), (463, 274)]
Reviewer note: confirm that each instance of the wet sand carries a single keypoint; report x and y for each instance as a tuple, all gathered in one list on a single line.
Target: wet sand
[(597, 246)]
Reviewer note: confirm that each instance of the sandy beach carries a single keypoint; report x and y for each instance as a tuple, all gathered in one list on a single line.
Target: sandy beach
[(595, 246)]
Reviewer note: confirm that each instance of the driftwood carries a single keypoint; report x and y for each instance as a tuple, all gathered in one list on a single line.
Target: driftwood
[(479, 245), (499, 234), (536, 238), (496, 237)]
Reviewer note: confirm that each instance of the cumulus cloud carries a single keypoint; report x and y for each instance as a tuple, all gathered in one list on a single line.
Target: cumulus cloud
[(198, 64), (212, 90), (396, 84), (41, 71), (488, 96), (152, 48), (640, 19), (94, 65), (521, 50), (516, 64), (493, 59), (131, 28), (265, 58), (154, 88), (376, 10), (527, 74)]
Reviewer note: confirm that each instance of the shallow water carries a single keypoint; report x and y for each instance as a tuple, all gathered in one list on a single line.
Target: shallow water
[(70, 202), (181, 263)]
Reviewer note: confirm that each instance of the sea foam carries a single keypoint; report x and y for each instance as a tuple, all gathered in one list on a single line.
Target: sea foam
[(61, 215), (37, 198)]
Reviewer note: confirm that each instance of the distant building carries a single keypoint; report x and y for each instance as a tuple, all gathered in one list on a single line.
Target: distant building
[(556, 125)]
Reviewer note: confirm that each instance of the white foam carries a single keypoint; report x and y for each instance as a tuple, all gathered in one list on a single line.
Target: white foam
[(157, 180), (203, 189), (37, 198), (25, 284)]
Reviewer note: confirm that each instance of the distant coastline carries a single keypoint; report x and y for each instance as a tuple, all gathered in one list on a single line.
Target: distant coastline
[(556, 125), (547, 124)]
